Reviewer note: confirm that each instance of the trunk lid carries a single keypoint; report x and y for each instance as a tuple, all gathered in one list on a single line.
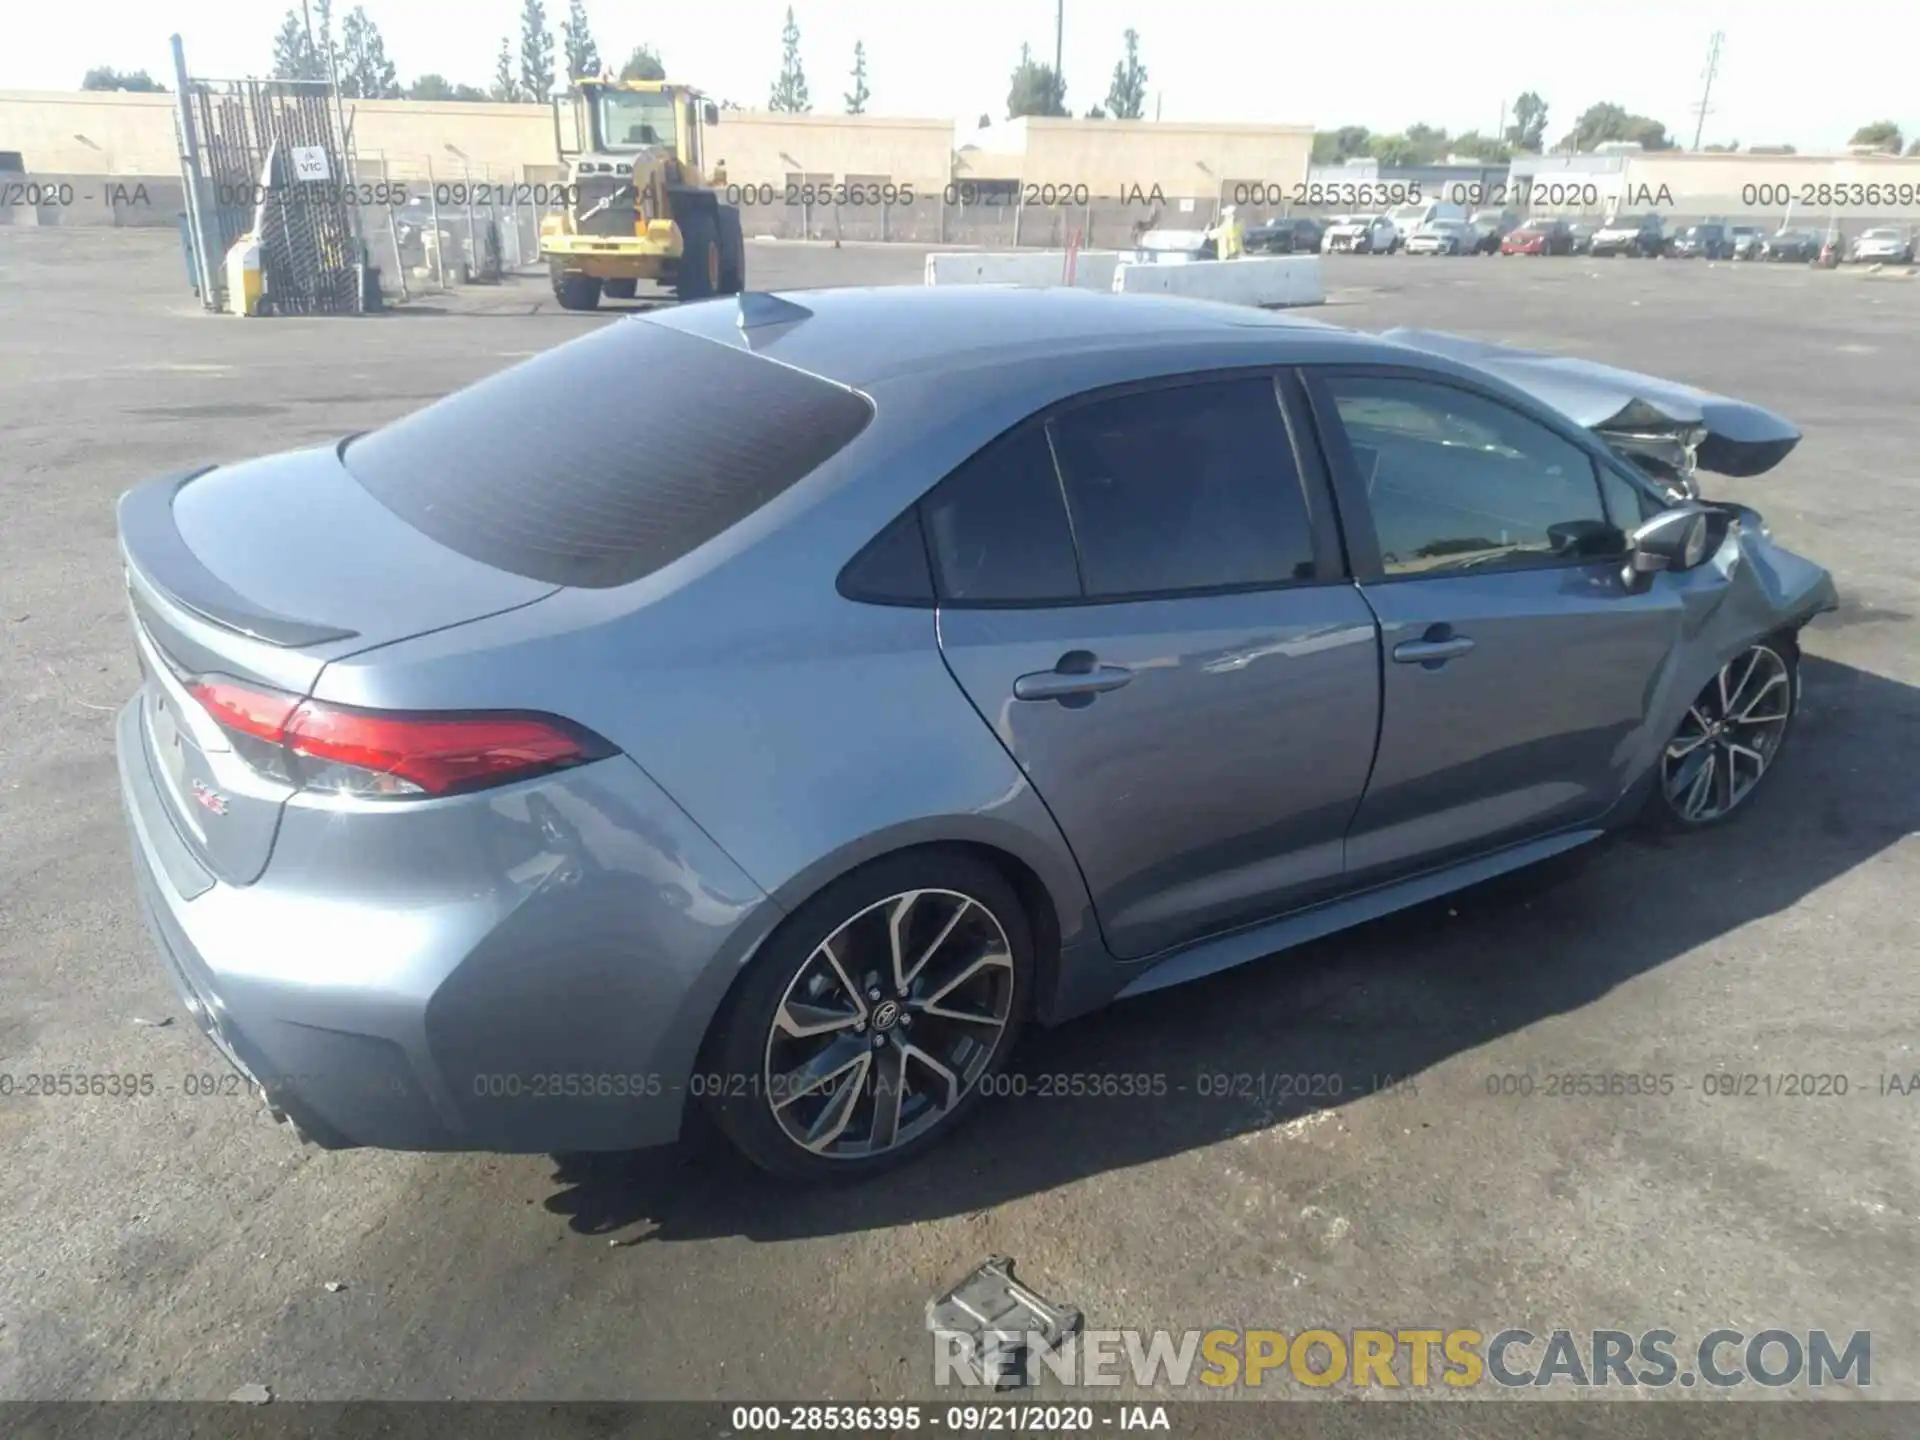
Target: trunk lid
[(1666, 428), (265, 572)]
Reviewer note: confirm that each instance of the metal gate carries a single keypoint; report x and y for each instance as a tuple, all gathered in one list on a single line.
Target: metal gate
[(272, 161)]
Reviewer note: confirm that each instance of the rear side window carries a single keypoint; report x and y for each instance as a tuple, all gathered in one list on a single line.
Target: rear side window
[(1187, 488), (998, 529), (607, 458)]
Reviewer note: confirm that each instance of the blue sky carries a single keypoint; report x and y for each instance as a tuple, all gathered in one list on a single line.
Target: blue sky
[(1788, 74)]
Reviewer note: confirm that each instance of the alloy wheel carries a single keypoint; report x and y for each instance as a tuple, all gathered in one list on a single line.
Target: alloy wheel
[(889, 1024), (1729, 736)]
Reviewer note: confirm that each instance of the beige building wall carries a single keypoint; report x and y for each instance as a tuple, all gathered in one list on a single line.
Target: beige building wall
[(1116, 157), (761, 147), (76, 132), (1761, 185)]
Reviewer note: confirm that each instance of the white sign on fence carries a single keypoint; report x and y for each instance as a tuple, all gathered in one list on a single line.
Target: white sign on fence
[(310, 163)]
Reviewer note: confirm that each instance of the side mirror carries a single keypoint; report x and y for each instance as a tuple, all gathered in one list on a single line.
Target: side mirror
[(1673, 540), (710, 113)]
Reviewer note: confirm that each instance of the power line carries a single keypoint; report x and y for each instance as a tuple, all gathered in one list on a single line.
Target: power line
[(1713, 68)]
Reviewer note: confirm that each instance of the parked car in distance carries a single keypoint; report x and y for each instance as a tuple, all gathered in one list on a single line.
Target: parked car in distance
[(1490, 227), (1283, 235), (1641, 235), (1887, 244), (1408, 219), (1581, 234), (1539, 237), (1796, 246), (1708, 241), (1360, 235), (1441, 237), (1747, 240), (789, 764)]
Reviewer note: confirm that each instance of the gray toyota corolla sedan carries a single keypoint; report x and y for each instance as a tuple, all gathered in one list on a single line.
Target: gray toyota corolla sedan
[(771, 705)]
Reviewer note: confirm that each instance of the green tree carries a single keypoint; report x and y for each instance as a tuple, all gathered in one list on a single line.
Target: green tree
[(1607, 122), (437, 87), (1419, 145), (1096, 113), (105, 77), (1729, 149), (583, 56), (1127, 95), (1035, 90), (1480, 147), (1881, 135), (536, 51), (294, 54), (643, 64), (1914, 148), (790, 90), (1336, 147), (857, 101), (365, 71), (1529, 128), (505, 86), (321, 45)]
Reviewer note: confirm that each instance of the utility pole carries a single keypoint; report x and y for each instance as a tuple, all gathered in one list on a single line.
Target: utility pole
[(1713, 67), (1059, 34)]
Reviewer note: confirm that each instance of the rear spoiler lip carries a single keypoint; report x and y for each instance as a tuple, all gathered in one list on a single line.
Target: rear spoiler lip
[(1735, 437), (151, 543)]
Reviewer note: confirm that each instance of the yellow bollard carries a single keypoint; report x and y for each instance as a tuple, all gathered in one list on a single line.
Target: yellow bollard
[(243, 276)]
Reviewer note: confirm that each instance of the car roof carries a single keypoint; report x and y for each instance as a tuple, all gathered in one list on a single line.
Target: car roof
[(865, 336)]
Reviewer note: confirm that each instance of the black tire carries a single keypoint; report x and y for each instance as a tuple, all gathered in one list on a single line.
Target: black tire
[(699, 273), (620, 289), (733, 251), (738, 1050), (576, 292), (1661, 814)]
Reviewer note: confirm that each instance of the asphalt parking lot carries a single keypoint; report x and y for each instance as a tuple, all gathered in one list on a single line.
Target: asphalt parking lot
[(178, 1246)]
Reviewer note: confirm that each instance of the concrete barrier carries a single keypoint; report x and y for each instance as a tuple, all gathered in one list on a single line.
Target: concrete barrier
[(1251, 280), (1092, 269)]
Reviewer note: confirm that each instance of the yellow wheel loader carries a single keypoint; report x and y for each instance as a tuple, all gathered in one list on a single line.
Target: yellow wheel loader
[(639, 203)]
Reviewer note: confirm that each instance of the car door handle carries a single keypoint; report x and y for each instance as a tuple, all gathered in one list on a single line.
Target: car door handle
[(1427, 652), (1077, 675)]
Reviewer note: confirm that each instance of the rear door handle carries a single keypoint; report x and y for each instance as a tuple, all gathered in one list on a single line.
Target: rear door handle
[(1077, 676), (1427, 652)]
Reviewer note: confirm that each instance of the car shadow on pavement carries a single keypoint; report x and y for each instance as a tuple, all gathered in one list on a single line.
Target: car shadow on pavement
[(1379, 1003)]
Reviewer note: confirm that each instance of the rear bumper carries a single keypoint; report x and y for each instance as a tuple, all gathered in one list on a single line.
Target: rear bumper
[(530, 974)]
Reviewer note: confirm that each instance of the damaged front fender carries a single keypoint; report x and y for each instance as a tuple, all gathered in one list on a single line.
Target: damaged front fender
[(1749, 590)]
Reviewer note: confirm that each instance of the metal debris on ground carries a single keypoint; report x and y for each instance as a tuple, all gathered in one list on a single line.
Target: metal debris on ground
[(989, 1320), (160, 1024)]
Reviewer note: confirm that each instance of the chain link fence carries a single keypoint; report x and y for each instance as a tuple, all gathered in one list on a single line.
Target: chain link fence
[(431, 223)]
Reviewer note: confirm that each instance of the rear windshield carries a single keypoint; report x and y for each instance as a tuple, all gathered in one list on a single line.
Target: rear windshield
[(606, 458)]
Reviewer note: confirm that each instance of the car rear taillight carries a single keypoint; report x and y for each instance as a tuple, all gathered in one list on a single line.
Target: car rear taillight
[(381, 754)]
